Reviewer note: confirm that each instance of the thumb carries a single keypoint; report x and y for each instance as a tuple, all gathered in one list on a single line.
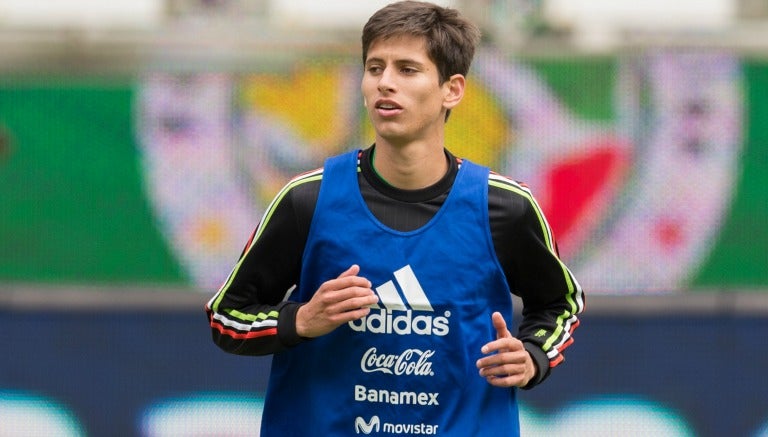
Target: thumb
[(353, 270), (500, 325)]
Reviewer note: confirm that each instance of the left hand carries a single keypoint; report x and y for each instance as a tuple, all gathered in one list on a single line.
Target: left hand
[(507, 363)]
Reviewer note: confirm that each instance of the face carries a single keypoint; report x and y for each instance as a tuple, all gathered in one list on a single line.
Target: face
[(403, 96)]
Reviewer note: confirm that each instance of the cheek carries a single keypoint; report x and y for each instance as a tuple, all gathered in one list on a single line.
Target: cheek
[(368, 84), (433, 100), (429, 94), (365, 91)]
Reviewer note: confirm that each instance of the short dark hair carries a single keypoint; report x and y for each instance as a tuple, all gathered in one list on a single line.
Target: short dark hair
[(451, 39)]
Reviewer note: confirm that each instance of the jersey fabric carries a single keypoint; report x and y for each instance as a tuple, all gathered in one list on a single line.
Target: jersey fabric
[(409, 366), (254, 312)]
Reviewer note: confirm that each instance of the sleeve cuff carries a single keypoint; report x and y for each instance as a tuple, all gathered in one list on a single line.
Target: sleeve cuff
[(286, 325), (541, 361)]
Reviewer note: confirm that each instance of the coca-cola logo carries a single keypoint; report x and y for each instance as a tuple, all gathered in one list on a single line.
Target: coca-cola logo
[(409, 362)]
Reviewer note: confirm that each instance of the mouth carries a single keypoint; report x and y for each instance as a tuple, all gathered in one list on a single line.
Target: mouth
[(387, 108)]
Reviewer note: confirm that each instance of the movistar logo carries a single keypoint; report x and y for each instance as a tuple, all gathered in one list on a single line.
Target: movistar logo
[(367, 427), (396, 311), (375, 425)]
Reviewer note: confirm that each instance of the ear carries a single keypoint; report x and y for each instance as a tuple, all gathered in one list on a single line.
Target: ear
[(453, 90)]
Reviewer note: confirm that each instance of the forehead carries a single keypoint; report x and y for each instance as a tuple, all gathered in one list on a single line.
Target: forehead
[(399, 47)]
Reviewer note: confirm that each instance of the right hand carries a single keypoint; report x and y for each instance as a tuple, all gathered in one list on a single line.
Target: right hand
[(336, 302)]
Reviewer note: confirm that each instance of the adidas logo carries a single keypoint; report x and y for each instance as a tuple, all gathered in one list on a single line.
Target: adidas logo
[(414, 295), (390, 318)]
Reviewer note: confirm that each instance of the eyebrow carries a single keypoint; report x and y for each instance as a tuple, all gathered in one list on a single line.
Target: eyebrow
[(404, 61)]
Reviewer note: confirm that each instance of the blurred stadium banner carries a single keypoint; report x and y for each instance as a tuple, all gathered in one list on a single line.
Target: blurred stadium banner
[(650, 167)]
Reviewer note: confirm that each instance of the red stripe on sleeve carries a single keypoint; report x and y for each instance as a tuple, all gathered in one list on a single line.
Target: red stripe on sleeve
[(244, 335)]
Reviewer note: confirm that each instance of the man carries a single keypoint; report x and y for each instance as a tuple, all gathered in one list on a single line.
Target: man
[(382, 283)]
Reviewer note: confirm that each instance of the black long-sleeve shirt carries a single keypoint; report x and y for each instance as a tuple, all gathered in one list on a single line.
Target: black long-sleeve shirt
[(249, 315)]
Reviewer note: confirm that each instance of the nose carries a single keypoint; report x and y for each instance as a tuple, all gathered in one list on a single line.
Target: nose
[(386, 81)]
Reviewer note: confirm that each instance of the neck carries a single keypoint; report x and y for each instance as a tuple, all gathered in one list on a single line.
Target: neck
[(411, 167)]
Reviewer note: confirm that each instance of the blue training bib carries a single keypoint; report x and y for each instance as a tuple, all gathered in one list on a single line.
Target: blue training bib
[(408, 368)]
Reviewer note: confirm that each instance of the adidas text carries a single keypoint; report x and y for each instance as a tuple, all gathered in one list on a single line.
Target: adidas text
[(384, 322)]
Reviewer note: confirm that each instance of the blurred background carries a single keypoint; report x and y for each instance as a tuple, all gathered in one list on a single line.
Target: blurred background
[(141, 140)]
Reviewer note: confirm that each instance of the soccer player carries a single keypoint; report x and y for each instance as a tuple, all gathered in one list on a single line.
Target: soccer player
[(382, 283)]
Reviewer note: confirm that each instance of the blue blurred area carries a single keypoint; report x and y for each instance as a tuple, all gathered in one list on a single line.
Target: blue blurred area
[(108, 366), (114, 369)]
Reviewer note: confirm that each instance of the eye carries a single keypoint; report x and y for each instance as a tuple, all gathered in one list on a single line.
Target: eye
[(374, 69), (409, 70)]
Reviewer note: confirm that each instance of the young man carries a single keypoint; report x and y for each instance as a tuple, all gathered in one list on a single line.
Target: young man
[(382, 283)]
